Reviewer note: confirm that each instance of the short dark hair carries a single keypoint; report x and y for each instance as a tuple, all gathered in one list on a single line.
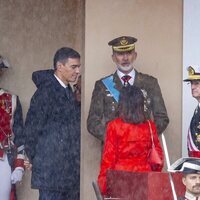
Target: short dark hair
[(63, 54), (131, 105)]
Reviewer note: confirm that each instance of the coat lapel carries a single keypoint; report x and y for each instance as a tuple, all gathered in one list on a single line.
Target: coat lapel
[(117, 81), (138, 79)]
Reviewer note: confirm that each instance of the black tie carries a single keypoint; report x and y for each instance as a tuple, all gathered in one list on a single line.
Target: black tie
[(126, 78), (68, 91)]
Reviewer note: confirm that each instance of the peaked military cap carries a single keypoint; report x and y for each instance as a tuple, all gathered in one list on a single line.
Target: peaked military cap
[(3, 63), (193, 73), (187, 165), (123, 43)]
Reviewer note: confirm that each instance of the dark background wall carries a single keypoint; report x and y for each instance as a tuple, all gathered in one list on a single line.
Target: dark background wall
[(30, 33)]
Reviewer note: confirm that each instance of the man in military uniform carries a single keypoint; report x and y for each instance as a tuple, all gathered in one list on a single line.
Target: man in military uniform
[(11, 141), (190, 168), (105, 95), (193, 141)]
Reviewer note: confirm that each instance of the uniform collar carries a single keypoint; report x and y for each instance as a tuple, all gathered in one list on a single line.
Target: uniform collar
[(2, 91), (189, 196)]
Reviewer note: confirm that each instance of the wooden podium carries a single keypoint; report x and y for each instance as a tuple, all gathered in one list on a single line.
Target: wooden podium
[(143, 185)]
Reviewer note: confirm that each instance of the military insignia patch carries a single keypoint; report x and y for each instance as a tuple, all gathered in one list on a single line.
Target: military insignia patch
[(191, 71), (147, 100), (123, 41)]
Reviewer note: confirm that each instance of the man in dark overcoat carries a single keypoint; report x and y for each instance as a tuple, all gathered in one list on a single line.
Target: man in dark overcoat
[(52, 129), (104, 102)]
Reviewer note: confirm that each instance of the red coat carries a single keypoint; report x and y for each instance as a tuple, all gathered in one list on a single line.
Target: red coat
[(6, 116), (127, 147)]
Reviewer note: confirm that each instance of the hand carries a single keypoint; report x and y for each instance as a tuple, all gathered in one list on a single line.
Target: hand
[(27, 164), (17, 175)]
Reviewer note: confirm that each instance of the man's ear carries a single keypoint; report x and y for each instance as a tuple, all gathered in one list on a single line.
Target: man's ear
[(183, 181), (58, 66), (113, 58), (135, 54)]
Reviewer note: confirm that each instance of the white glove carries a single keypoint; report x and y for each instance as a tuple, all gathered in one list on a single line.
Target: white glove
[(17, 175)]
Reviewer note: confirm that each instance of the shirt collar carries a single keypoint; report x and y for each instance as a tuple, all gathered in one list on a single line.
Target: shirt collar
[(61, 83), (190, 196), (1, 91), (132, 74)]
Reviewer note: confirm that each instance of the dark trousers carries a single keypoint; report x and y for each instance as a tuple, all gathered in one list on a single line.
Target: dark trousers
[(54, 195)]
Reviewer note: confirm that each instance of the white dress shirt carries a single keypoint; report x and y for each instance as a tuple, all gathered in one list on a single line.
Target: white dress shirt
[(131, 74), (190, 196)]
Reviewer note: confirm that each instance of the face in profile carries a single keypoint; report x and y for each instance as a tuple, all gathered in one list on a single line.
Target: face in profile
[(192, 183), (69, 71), (195, 89)]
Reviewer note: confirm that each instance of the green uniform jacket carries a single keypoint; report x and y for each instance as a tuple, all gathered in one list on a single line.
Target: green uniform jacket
[(104, 108)]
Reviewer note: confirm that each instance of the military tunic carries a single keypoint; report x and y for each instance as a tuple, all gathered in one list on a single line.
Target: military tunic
[(11, 140), (193, 141), (104, 107)]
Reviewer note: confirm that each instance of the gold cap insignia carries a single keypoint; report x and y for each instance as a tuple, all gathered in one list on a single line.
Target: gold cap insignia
[(123, 41), (193, 73)]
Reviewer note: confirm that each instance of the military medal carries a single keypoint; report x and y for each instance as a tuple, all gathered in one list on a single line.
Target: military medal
[(7, 145), (3, 104), (113, 106), (147, 100), (198, 137)]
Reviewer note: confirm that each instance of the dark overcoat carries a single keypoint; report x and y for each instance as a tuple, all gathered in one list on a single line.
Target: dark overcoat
[(52, 128), (104, 107)]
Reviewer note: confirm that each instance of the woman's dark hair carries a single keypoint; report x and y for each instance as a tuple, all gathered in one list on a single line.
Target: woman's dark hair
[(131, 105)]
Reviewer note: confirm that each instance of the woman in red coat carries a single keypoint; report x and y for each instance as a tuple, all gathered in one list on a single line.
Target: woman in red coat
[(128, 138)]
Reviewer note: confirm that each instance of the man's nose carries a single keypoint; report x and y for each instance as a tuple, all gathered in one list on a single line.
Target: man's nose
[(125, 56), (198, 180), (77, 70)]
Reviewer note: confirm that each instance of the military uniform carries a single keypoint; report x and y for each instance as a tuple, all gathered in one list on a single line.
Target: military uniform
[(104, 107), (11, 140), (193, 138), (194, 134)]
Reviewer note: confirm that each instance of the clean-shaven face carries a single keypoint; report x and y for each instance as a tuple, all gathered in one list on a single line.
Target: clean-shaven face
[(124, 60), (195, 89), (69, 71)]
